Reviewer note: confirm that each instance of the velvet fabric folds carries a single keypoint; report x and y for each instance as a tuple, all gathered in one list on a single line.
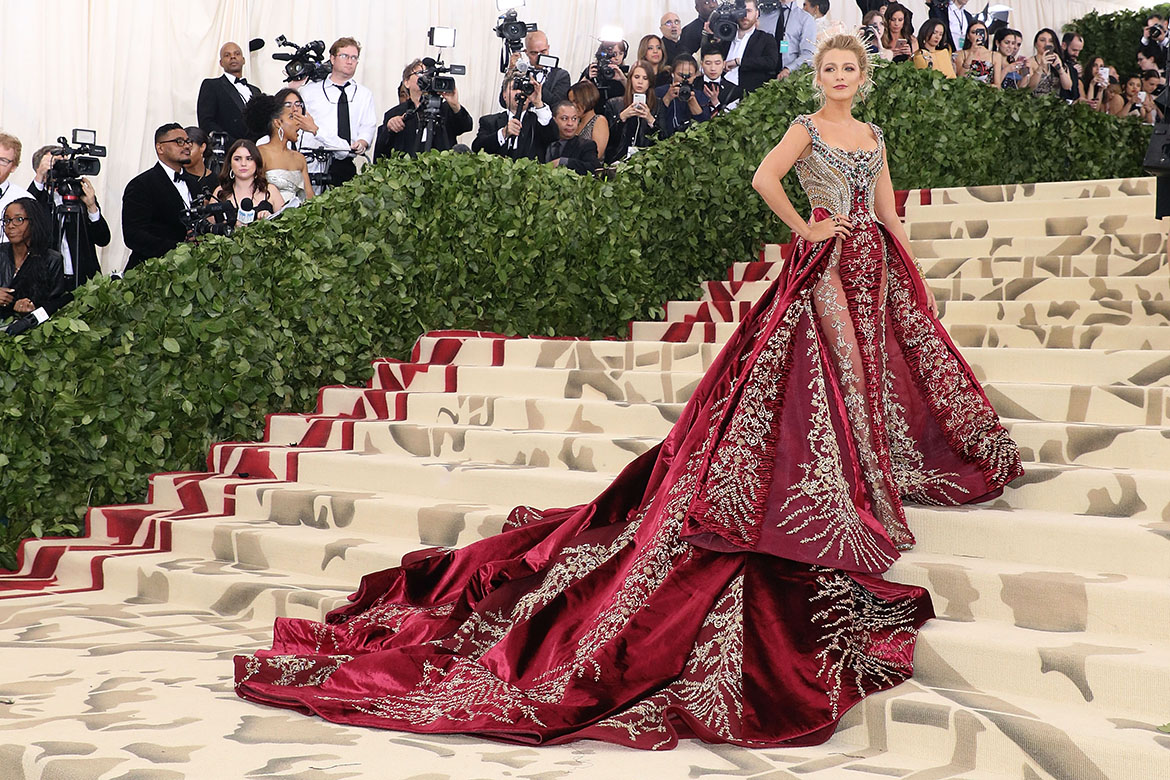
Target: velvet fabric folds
[(725, 586)]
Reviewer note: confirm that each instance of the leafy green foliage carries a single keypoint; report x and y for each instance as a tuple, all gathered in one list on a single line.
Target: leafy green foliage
[(1116, 36), (142, 375)]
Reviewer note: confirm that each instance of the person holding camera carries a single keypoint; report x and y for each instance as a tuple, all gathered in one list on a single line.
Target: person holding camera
[(343, 110), (31, 275), (155, 201), (80, 237), (242, 183), (10, 148), (637, 115), (1134, 102), (1010, 68), (697, 33), (400, 126), (1155, 40), (1071, 46), (554, 80), (570, 150), (931, 54), (975, 60), (608, 71), (592, 126), (682, 102), (524, 129), (753, 56), (1049, 72), (220, 107), (721, 94)]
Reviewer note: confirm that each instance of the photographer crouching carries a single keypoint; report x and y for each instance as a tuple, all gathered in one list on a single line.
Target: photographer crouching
[(431, 117), (80, 223)]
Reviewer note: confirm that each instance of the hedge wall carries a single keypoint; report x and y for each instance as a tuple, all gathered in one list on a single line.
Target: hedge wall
[(1115, 36), (142, 375)]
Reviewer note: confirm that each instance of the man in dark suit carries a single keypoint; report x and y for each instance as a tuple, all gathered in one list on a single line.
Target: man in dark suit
[(554, 82), (80, 220), (722, 95), (692, 39), (569, 150), (753, 56), (400, 126), (154, 200), (671, 28), (955, 19), (525, 129), (221, 100)]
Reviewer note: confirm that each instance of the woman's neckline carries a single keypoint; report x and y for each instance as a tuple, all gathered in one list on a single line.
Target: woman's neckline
[(817, 137)]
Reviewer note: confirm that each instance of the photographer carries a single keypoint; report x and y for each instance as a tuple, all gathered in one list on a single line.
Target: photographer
[(721, 94), (697, 33), (1049, 73), (220, 107), (1155, 40), (570, 150), (555, 81), (80, 237), (753, 56), (524, 129), (975, 60), (155, 201), (31, 278), (9, 161), (607, 71), (1153, 84), (343, 111), (400, 126), (682, 102)]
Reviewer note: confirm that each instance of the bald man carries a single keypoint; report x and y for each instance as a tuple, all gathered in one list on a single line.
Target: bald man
[(554, 82), (221, 100), (671, 27)]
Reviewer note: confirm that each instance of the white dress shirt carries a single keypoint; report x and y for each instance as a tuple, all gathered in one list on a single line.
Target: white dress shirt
[(245, 93), (180, 186), (800, 30), (8, 193), (543, 114), (957, 21), (321, 103), (738, 47)]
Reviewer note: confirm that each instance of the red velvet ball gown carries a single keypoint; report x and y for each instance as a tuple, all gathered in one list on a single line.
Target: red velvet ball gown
[(725, 585)]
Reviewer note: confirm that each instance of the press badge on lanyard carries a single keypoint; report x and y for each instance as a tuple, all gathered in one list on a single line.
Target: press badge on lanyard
[(783, 47)]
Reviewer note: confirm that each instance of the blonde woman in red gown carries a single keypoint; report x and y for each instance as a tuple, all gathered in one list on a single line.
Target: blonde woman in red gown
[(726, 585)]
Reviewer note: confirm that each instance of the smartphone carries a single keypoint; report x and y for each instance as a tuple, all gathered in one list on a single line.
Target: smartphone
[(1103, 74), (639, 98), (1141, 97)]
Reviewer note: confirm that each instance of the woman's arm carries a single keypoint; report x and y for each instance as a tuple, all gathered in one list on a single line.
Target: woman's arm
[(306, 182), (768, 182), (886, 209), (276, 199), (601, 136), (1065, 76)]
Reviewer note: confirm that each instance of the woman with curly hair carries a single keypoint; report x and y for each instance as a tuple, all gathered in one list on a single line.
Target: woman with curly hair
[(280, 118)]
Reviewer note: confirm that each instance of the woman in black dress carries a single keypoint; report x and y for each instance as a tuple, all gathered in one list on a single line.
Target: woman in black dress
[(32, 275)]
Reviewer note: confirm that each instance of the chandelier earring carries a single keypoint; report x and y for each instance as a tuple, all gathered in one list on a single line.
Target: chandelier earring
[(280, 133)]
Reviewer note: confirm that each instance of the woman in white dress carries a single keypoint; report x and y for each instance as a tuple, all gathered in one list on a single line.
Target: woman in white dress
[(281, 116)]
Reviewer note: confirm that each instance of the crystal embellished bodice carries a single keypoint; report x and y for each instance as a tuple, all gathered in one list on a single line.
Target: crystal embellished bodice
[(840, 180)]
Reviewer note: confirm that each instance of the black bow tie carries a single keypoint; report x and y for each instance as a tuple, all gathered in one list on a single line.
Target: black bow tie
[(178, 177), (242, 81)]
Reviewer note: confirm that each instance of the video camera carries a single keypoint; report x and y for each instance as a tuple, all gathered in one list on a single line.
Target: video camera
[(217, 151), (307, 62), (724, 20), (64, 176), (215, 218), (512, 31), (432, 81)]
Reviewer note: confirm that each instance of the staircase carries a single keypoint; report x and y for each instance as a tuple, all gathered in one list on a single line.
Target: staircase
[(1050, 657)]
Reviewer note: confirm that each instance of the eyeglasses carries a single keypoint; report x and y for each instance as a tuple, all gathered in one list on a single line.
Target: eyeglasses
[(350, 57), (6, 221), (294, 104), (6, 162), (179, 142)]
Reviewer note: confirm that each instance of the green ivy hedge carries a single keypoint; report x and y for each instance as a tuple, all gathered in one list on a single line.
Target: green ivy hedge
[(142, 375), (1116, 36)]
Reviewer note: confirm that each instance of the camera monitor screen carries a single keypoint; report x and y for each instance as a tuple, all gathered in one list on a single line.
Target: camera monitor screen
[(85, 136), (442, 37)]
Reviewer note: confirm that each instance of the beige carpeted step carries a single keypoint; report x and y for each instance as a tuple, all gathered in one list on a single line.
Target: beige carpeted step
[(1142, 205), (1056, 224)]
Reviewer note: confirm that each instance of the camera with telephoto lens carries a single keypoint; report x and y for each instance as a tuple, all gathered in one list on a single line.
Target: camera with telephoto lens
[(604, 59), (307, 62), (209, 217), (512, 31), (724, 20), (81, 159), (522, 80)]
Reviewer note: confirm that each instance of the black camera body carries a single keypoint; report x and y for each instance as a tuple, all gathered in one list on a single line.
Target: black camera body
[(724, 20), (215, 218), (217, 151), (439, 78), (64, 176), (604, 59), (512, 31), (685, 90), (306, 62), (1156, 32)]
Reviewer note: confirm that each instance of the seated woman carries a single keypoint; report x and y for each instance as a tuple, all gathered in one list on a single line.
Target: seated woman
[(1010, 68), (1096, 84), (1050, 74), (929, 56), (898, 39), (975, 59), (281, 117), (200, 157), (32, 275), (243, 179), (651, 50), (585, 96), (636, 126), (1134, 102)]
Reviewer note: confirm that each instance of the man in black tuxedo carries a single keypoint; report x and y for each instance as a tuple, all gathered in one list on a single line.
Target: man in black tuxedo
[(525, 129), (154, 200), (753, 56), (722, 95), (221, 100), (82, 225), (569, 150), (693, 39)]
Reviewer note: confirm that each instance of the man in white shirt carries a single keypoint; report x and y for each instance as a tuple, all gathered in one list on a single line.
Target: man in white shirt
[(795, 32), (958, 20), (80, 238), (752, 56), (9, 161), (344, 113)]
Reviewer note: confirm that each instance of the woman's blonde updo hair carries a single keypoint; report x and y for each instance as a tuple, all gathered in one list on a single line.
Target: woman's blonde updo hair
[(853, 45)]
